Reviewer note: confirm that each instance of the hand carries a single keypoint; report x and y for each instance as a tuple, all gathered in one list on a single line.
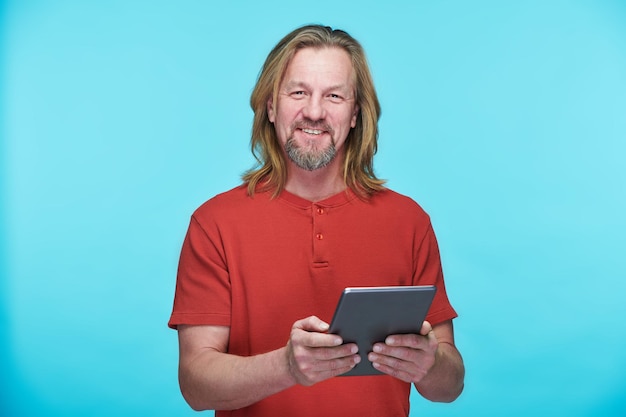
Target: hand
[(314, 355), (408, 357)]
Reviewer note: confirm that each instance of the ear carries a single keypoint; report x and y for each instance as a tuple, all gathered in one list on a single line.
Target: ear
[(270, 109), (354, 116)]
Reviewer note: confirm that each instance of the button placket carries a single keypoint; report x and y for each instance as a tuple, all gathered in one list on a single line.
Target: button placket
[(319, 247)]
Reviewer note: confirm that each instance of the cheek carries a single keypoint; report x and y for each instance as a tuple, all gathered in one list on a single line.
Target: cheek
[(284, 114)]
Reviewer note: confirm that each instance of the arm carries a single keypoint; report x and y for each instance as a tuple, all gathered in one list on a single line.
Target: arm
[(430, 360), (212, 379)]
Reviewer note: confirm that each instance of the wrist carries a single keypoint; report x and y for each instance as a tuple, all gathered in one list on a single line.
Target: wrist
[(286, 367)]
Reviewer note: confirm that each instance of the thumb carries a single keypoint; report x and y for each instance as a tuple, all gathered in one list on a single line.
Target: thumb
[(311, 324), (426, 328)]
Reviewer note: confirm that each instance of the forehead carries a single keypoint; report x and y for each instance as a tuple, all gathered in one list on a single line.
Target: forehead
[(321, 67)]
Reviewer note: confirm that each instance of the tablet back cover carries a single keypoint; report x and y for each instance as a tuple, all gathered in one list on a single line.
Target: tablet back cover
[(368, 315)]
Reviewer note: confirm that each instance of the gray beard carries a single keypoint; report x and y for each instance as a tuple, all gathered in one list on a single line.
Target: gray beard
[(310, 160)]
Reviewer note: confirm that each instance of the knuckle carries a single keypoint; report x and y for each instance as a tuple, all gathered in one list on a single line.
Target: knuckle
[(324, 353), (394, 372), (295, 334), (403, 354), (304, 367), (335, 365), (299, 356), (418, 376), (395, 364)]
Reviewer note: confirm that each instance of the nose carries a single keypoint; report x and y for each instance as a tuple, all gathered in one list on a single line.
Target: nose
[(314, 109)]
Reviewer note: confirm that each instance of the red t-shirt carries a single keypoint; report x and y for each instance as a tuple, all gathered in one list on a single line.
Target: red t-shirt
[(258, 264)]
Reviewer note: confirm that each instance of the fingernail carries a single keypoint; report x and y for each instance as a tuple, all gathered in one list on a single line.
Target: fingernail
[(377, 349)]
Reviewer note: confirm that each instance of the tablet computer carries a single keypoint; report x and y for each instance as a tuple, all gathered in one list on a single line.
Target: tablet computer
[(367, 315)]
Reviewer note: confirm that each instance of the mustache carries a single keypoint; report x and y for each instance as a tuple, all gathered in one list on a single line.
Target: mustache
[(311, 124)]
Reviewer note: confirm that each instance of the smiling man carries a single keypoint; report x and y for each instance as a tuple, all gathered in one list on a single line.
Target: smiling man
[(263, 265), (315, 95)]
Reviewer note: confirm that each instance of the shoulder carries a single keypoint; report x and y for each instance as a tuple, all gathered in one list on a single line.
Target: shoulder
[(398, 204), (233, 196), (227, 205)]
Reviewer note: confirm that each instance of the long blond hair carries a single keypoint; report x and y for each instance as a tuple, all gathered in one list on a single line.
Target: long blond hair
[(361, 143)]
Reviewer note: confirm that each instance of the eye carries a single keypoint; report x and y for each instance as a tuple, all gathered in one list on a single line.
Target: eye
[(297, 94), (335, 98)]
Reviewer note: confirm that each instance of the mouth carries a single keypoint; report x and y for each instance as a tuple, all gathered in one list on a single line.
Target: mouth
[(312, 131)]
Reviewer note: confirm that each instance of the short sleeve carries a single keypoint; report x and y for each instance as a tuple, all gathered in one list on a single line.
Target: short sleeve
[(202, 284), (428, 271)]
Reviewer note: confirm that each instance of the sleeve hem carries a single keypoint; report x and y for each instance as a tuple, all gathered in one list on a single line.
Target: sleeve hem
[(440, 316), (198, 319)]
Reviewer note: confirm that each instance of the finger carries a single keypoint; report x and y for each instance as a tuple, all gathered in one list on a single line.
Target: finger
[(426, 328), (311, 332), (311, 365), (335, 359), (408, 340), (331, 370), (402, 353), (322, 354), (406, 346), (314, 339), (312, 324), (425, 340), (336, 367), (408, 365), (338, 352), (394, 372)]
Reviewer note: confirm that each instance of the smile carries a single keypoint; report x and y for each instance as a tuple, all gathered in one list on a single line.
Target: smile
[(313, 131)]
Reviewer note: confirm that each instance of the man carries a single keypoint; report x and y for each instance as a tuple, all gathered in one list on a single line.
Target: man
[(263, 265)]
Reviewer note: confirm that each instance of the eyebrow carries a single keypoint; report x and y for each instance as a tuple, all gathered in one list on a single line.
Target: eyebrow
[(301, 84)]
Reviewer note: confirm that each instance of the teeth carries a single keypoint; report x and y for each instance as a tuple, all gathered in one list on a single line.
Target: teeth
[(312, 131)]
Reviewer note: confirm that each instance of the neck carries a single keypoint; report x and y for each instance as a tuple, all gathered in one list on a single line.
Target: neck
[(315, 185)]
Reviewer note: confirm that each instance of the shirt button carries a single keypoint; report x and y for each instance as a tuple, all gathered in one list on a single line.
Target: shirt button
[(320, 210), (319, 236)]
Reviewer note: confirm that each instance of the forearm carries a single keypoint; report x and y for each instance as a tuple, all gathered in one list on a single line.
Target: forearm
[(444, 382), (219, 381)]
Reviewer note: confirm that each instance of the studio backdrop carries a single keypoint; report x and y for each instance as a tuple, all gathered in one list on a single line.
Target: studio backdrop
[(505, 120)]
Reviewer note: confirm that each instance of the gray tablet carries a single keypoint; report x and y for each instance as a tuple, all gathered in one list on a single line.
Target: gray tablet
[(368, 315)]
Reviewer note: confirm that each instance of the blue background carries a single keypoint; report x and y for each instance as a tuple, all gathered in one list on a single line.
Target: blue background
[(506, 120)]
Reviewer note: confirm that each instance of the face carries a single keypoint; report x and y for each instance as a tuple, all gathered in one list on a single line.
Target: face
[(316, 106)]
